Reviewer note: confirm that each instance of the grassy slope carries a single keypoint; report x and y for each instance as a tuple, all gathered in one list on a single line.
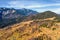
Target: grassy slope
[(32, 30)]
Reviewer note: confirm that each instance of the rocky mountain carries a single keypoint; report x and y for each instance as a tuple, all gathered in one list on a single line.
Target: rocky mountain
[(11, 15)]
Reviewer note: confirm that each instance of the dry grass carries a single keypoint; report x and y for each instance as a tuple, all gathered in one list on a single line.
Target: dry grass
[(29, 31)]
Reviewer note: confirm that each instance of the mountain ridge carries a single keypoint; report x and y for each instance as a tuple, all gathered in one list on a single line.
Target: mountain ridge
[(12, 16)]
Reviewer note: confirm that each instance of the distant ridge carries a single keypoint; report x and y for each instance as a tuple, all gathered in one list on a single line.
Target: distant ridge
[(43, 15)]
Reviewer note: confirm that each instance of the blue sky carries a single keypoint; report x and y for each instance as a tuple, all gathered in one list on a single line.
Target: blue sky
[(37, 5)]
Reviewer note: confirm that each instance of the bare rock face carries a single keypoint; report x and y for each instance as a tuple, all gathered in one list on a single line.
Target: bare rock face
[(9, 16)]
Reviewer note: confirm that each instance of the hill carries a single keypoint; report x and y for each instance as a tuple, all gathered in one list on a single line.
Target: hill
[(32, 30), (43, 15)]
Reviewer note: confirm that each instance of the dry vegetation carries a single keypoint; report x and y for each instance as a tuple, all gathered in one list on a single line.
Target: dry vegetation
[(32, 30)]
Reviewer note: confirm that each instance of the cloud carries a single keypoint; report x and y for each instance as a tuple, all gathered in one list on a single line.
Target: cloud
[(33, 5), (23, 4), (56, 1), (42, 5), (56, 10)]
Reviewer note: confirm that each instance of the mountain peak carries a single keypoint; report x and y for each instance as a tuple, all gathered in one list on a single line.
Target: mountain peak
[(49, 12)]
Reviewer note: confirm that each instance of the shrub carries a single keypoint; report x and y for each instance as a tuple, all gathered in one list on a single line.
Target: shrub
[(54, 29)]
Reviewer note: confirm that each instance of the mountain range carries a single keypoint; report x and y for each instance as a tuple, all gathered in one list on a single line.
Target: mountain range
[(26, 24), (9, 16)]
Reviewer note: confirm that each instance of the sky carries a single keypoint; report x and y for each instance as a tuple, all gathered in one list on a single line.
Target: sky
[(36, 5)]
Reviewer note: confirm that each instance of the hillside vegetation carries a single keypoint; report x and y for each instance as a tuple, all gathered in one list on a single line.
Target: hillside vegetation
[(40, 29)]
